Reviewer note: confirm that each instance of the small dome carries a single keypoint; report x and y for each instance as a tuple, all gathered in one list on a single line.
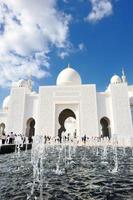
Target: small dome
[(68, 76), (6, 103), (21, 83), (33, 92), (115, 79)]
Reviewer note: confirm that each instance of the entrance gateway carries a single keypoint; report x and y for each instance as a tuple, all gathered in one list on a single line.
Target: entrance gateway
[(67, 121)]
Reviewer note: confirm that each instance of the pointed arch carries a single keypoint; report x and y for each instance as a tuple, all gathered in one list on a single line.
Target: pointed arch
[(131, 106), (30, 127), (105, 127), (66, 113), (2, 128)]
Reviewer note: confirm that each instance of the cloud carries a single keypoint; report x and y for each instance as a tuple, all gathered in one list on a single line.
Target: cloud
[(28, 32), (71, 49), (66, 1), (81, 46), (63, 54), (100, 9)]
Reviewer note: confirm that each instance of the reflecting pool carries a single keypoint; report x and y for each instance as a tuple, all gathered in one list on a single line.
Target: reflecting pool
[(68, 173)]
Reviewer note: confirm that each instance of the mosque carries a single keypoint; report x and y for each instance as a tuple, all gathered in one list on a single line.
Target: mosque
[(69, 107)]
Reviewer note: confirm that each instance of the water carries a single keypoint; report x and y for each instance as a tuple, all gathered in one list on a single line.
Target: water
[(69, 173)]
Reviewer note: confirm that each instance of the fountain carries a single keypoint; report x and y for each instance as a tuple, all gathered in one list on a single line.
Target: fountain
[(97, 168)]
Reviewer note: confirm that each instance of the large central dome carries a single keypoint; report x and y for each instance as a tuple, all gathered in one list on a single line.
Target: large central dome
[(68, 76)]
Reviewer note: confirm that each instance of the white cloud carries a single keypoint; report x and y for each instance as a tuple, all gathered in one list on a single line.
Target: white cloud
[(63, 54), (29, 30), (71, 50), (66, 1), (100, 9), (81, 46)]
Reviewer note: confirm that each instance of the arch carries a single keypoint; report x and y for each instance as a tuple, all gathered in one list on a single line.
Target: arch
[(30, 127), (105, 127), (131, 108), (2, 128), (65, 114), (131, 100)]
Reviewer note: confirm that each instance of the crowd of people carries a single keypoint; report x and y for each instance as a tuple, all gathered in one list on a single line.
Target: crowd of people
[(72, 138), (21, 139), (14, 139)]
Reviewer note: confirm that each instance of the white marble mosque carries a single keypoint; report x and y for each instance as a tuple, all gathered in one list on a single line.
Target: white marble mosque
[(69, 107)]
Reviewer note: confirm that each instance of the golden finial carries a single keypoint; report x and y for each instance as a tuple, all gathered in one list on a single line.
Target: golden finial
[(68, 66)]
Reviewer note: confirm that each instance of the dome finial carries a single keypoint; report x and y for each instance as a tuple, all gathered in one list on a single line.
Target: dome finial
[(68, 65)]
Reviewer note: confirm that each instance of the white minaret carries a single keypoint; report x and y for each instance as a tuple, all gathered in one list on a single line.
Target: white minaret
[(123, 77), (30, 82)]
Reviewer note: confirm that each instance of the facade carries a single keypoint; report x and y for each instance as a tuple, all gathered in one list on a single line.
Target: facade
[(69, 108)]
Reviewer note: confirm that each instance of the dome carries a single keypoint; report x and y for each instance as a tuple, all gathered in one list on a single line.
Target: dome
[(6, 103), (115, 79), (21, 83), (68, 76), (33, 92)]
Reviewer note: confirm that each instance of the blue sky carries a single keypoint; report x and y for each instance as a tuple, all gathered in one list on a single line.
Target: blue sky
[(94, 36)]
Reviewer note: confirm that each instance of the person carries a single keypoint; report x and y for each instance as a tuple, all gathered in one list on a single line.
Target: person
[(24, 139), (68, 136), (30, 139), (75, 134), (7, 139), (84, 138), (3, 138), (45, 139), (11, 138)]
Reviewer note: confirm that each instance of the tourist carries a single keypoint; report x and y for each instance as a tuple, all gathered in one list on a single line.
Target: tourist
[(24, 139), (18, 140), (11, 138), (75, 134), (3, 138), (68, 135), (45, 139), (84, 139), (30, 139), (7, 139)]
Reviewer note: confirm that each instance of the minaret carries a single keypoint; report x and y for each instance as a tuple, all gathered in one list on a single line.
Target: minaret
[(29, 81), (123, 77)]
